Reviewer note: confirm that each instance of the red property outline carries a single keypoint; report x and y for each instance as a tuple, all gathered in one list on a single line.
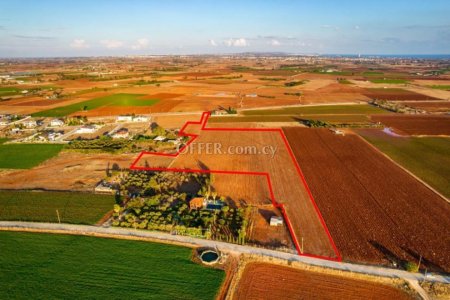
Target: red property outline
[(203, 121)]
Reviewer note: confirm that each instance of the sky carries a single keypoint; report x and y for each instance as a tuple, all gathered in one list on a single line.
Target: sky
[(109, 28)]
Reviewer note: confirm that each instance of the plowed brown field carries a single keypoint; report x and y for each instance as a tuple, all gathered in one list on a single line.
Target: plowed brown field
[(395, 95), (441, 106), (375, 211), (416, 124), (267, 281)]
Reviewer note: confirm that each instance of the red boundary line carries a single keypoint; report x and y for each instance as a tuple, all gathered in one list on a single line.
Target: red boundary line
[(203, 121)]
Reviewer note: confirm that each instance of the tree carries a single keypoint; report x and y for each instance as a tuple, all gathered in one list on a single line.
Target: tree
[(411, 267), (116, 208)]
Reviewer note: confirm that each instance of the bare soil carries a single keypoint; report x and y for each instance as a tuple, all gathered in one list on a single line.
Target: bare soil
[(376, 212), (268, 281)]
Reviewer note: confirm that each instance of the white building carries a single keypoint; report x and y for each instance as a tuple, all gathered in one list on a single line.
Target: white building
[(141, 119), (56, 123), (125, 118), (86, 129), (276, 221), (30, 123), (159, 138)]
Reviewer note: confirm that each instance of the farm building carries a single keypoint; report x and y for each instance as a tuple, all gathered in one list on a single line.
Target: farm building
[(213, 204), (104, 188), (199, 202), (122, 133), (196, 203), (159, 138), (56, 123), (276, 221), (30, 123), (141, 119), (125, 118), (87, 129)]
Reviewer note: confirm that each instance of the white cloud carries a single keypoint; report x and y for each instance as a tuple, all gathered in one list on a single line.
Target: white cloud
[(140, 44), (241, 42), (79, 44), (275, 42), (111, 44), (330, 27), (213, 43)]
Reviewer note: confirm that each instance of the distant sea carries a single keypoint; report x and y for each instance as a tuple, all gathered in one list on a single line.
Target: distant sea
[(404, 56)]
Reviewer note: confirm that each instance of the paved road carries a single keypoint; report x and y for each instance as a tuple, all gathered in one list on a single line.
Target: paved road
[(189, 241)]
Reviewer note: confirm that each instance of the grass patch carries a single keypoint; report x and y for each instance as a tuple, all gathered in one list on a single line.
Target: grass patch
[(344, 81), (389, 81), (76, 208), (80, 267), (426, 157), (320, 109), (295, 83), (372, 73), (111, 100), (26, 156), (8, 91), (271, 79), (440, 87)]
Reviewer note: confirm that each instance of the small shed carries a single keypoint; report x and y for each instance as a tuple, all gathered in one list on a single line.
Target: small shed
[(276, 221)]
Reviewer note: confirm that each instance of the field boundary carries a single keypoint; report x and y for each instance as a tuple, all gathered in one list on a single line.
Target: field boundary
[(404, 169), (203, 121)]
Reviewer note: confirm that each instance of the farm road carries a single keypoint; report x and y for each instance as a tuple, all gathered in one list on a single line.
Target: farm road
[(189, 242)]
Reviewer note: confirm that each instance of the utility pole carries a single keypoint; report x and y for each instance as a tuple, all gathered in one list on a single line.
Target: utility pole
[(59, 219)]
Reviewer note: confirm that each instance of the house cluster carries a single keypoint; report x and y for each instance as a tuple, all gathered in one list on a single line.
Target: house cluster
[(50, 135), (31, 123), (204, 203), (132, 118), (5, 119)]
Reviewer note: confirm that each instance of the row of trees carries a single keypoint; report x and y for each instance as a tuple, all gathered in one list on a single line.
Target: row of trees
[(156, 203)]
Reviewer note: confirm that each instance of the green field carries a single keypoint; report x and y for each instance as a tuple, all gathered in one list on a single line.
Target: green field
[(8, 91), (76, 208), (50, 266), (26, 156), (111, 100), (372, 73), (426, 157), (440, 87), (389, 81), (319, 109), (334, 119)]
